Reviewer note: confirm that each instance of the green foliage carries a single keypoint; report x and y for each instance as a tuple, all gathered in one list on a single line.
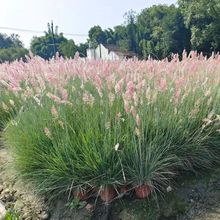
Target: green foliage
[(12, 215), (109, 33), (120, 37), (81, 165), (12, 53), (131, 30), (10, 41), (47, 46), (203, 19), (10, 104), (76, 146), (81, 48), (162, 31), (74, 204), (97, 35), (68, 49), (52, 42), (158, 31), (11, 48)]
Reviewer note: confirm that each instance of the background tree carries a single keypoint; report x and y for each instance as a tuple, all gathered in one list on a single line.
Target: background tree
[(121, 38), (109, 34), (158, 31), (203, 19), (97, 36), (131, 30), (81, 48), (46, 46), (11, 48), (10, 41), (161, 31), (68, 48), (12, 53)]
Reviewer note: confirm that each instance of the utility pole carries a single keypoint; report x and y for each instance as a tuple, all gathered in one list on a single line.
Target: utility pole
[(54, 48)]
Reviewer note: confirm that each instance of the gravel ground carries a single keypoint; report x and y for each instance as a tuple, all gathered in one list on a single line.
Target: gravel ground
[(15, 196)]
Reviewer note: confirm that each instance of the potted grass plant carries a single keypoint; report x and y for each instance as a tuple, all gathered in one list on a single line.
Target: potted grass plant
[(81, 193), (149, 165), (142, 191), (107, 193)]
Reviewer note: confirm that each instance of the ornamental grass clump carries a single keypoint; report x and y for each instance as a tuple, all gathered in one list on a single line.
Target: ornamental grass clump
[(83, 126), (10, 103)]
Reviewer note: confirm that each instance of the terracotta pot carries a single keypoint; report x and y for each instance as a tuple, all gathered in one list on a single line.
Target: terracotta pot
[(108, 193), (80, 194), (142, 191)]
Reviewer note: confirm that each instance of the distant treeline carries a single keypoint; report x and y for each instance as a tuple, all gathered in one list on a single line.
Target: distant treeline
[(11, 48), (161, 30), (157, 31)]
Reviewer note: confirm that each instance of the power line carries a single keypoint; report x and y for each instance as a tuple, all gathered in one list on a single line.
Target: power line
[(40, 32)]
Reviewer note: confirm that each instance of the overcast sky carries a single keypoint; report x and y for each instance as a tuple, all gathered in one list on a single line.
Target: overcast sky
[(72, 16)]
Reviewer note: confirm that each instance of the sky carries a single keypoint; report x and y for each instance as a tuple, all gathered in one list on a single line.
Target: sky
[(71, 16)]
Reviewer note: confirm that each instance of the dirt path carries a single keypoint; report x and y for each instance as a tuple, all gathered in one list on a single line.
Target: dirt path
[(203, 194), (15, 196)]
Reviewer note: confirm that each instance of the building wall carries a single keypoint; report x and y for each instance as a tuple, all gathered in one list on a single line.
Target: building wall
[(102, 53), (113, 56), (91, 53), (105, 54)]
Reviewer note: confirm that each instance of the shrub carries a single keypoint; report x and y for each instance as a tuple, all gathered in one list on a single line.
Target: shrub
[(95, 123)]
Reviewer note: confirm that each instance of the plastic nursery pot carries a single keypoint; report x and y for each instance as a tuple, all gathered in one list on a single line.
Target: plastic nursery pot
[(142, 191), (107, 193)]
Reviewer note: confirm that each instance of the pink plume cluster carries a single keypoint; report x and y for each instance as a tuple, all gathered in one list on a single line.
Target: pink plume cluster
[(137, 82)]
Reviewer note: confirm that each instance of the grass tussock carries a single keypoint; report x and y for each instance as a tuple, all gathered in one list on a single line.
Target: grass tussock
[(79, 123)]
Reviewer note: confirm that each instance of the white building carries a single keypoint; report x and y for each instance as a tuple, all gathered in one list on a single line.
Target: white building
[(108, 52)]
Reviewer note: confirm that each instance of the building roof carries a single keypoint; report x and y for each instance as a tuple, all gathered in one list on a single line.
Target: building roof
[(119, 51)]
